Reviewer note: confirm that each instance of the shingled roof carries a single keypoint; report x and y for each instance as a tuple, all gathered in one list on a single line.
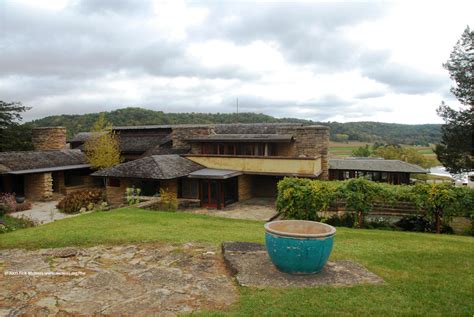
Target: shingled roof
[(375, 164), (142, 143), (152, 167), (34, 161)]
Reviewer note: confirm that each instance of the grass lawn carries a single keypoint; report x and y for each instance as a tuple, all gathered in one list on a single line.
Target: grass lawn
[(425, 274)]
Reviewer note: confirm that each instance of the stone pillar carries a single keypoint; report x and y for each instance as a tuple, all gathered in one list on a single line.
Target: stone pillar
[(244, 187), (39, 186), (49, 138)]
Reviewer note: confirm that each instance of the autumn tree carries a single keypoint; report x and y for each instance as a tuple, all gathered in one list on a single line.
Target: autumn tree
[(362, 151), (102, 148), (403, 153), (456, 149)]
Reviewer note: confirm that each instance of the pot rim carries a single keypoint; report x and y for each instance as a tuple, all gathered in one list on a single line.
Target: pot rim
[(332, 230)]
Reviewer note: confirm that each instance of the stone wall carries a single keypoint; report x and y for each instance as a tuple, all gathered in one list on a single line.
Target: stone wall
[(310, 141), (180, 134), (39, 186), (116, 195), (245, 187), (51, 138)]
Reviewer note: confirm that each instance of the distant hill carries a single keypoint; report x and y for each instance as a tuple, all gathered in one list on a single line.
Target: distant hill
[(353, 131)]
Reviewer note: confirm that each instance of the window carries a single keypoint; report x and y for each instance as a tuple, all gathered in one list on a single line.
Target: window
[(113, 182), (149, 188), (189, 188), (75, 177)]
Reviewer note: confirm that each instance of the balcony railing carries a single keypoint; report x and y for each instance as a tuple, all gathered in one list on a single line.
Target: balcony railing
[(272, 165)]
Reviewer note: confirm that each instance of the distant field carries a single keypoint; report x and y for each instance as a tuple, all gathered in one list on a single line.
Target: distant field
[(343, 149)]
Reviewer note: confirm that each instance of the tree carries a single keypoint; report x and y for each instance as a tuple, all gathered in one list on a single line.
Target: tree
[(362, 151), (406, 154), (442, 201), (16, 137), (456, 149), (342, 137), (13, 136), (10, 113), (102, 148), (360, 195)]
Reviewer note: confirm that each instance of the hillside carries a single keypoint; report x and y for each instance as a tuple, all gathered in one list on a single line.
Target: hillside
[(351, 131)]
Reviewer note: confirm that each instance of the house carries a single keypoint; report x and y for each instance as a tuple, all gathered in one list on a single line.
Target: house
[(51, 168), (375, 169), (217, 164)]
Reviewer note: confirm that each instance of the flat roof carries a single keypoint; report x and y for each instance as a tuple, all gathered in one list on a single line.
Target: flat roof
[(375, 164), (214, 173), (49, 169)]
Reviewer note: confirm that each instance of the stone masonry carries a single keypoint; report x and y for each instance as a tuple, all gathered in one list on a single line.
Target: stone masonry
[(50, 138), (39, 186), (181, 133), (311, 141)]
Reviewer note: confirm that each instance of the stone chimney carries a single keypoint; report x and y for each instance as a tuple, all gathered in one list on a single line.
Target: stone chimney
[(49, 138)]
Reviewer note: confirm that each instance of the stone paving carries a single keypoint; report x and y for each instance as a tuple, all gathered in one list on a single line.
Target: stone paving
[(251, 265), (41, 212), (261, 209), (134, 280)]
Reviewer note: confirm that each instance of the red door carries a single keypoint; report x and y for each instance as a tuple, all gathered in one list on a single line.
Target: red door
[(209, 193)]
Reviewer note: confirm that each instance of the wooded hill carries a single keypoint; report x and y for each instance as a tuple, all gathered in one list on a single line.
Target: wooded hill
[(351, 131)]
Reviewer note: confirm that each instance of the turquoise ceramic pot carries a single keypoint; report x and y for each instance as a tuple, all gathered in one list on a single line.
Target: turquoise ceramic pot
[(298, 246)]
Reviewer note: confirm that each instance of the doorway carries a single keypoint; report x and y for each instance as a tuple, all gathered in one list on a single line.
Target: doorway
[(210, 193)]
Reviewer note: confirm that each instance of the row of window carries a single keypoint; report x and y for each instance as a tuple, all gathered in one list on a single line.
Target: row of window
[(250, 149)]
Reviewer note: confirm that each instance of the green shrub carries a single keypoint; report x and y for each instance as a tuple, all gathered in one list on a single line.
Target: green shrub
[(75, 201), (347, 219), (300, 198), (133, 195), (304, 198), (8, 224)]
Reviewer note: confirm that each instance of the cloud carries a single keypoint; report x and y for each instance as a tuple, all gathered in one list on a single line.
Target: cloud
[(312, 60), (124, 7), (405, 79)]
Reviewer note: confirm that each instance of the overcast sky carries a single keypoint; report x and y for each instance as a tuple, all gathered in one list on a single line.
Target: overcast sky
[(337, 61)]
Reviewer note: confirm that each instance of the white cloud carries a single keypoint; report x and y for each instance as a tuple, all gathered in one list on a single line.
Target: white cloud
[(312, 60)]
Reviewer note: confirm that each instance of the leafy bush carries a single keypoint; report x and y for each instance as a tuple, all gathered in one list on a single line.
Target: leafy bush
[(304, 198), (300, 198), (168, 200), (133, 195), (414, 223), (8, 224), (347, 219), (7, 203), (75, 201), (421, 224)]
